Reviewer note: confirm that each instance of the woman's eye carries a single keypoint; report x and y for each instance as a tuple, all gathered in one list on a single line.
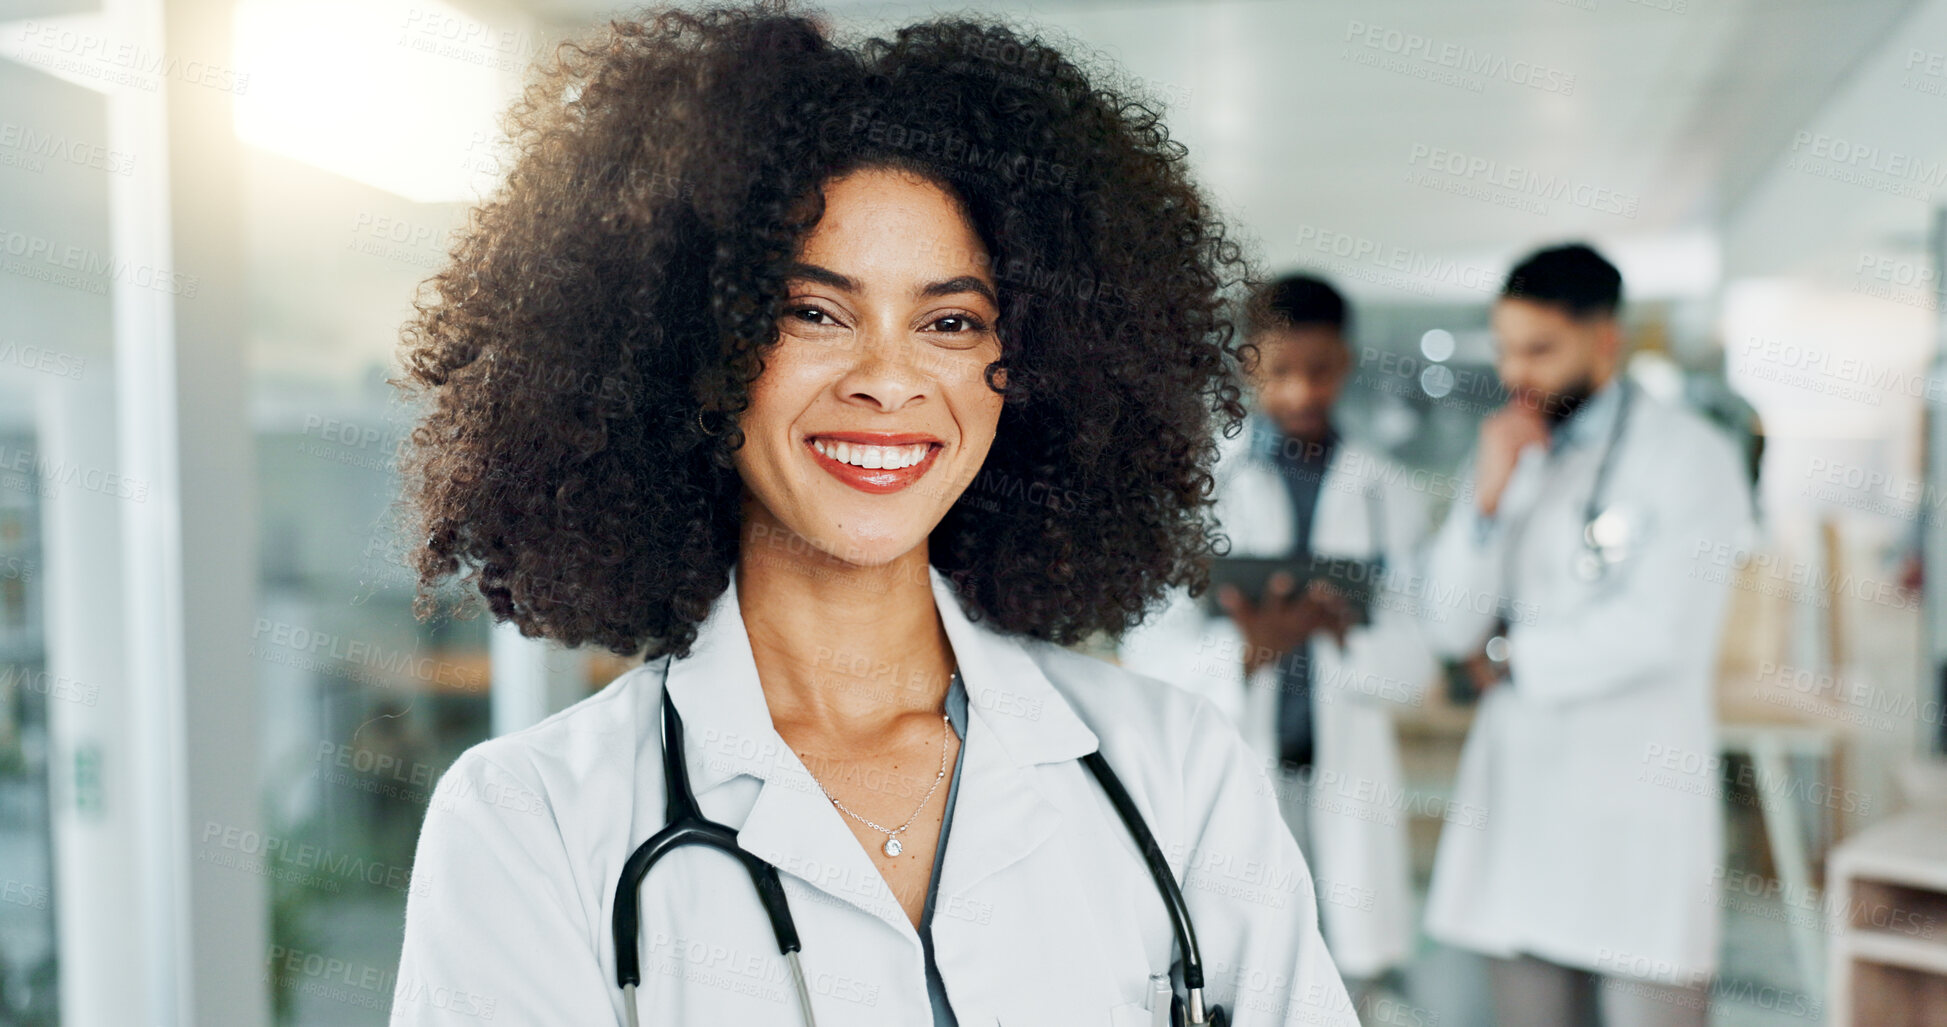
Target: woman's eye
[(811, 315), (959, 324)]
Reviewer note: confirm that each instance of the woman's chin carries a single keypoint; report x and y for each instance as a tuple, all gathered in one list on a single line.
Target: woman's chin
[(840, 543), (870, 551)]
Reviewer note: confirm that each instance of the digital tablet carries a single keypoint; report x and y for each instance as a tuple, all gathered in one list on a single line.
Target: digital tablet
[(1352, 579)]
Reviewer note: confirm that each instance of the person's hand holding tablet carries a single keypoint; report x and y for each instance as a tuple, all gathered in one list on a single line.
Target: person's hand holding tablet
[(1285, 618)]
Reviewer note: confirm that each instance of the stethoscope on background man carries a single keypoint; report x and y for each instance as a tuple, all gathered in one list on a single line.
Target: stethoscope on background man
[(1606, 531), (686, 825)]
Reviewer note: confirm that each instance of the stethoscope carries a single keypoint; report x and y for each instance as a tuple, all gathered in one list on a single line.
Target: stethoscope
[(686, 825), (1606, 533)]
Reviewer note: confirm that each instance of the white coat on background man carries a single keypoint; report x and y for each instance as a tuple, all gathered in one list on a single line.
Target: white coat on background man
[(1593, 853), (1368, 506)]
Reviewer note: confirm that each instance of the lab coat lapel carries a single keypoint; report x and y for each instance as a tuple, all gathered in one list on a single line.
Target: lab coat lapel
[(1010, 869), (1017, 721), (729, 734), (1342, 525), (1255, 512)]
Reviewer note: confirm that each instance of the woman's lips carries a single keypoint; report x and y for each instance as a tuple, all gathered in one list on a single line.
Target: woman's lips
[(877, 481)]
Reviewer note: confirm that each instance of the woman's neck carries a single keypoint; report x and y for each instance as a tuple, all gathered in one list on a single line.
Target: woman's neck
[(841, 649)]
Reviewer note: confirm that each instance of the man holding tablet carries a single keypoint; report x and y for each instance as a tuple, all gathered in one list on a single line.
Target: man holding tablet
[(1310, 668)]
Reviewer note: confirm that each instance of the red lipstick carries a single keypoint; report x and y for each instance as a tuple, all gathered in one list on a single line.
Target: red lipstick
[(877, 481)]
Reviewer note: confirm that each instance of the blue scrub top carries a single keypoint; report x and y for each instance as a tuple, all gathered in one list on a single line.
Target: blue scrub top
[(956, 715)]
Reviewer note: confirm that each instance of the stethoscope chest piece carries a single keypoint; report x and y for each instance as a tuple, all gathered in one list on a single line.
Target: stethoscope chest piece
[(1605, 542), (1607, 530)]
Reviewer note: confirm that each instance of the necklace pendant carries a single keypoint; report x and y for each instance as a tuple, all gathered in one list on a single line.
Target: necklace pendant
[(892, 846)]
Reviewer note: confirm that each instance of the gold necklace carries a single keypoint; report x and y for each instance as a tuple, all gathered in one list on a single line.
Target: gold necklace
[(892, 847)]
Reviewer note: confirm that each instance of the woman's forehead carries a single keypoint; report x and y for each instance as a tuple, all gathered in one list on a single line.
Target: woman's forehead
[(892, 229)]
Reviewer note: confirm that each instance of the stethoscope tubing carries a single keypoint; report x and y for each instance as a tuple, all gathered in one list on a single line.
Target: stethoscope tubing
[(1159, 868), (686, 825), (1593, 508)]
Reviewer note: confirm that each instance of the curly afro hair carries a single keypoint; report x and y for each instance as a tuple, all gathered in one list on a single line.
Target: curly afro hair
[(596, 329)]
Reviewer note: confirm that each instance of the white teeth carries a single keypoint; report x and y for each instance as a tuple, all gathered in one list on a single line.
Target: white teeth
[(872, 457)]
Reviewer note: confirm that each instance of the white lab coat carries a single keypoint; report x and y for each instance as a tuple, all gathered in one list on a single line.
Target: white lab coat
[(1588, 852), (1045, 914), (1358, 808)]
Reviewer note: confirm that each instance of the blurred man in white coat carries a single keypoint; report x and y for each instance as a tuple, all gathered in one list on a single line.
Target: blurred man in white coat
[(1580, 565), (1310, 689)]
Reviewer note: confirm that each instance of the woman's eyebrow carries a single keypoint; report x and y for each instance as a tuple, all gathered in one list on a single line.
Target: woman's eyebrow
[(964, 283), (826, 276), (821, 275)]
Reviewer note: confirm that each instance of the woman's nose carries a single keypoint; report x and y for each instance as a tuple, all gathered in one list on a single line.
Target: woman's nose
[(885, 370)]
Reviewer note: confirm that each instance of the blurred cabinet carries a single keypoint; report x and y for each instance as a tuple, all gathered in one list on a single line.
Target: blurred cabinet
[(1887, 913)]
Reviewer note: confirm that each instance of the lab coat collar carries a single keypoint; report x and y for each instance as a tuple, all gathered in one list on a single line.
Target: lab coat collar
[(1017, 719), (1266, 441), (1593, 418), (729, 724)]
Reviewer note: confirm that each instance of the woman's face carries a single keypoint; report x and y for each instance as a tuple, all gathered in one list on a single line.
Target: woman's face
[(873, 414)]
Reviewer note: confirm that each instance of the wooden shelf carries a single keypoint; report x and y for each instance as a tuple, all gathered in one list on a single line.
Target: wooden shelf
[(1910, 849), (1887, 916), (1899, 950)]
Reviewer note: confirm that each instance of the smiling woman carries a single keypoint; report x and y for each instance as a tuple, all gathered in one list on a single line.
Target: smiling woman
[(592, 344), (908, 360), (877, 375)]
